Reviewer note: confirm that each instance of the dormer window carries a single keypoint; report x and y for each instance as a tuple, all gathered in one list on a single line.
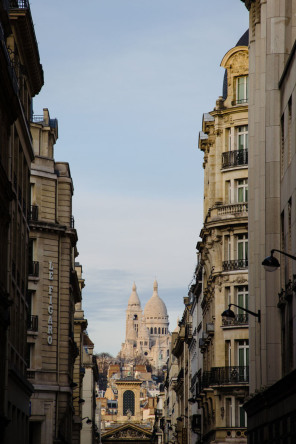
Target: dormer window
[(242, 89)]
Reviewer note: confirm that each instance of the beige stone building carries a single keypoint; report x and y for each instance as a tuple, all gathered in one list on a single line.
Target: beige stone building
[(53, 290), (21, 78), (223, 376), (272, 164), (180, 349), (91, 428), (147, 332), (80, 324)]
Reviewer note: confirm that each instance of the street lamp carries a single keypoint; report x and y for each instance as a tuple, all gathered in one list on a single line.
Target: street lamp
[(228, 314), (271, 263)]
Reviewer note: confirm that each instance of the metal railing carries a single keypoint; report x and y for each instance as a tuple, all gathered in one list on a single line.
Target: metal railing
[(224, 376), (34, 268), (32, 323), (72, 222), (236, 264), (37, 118), (234, 158), (240, 319)]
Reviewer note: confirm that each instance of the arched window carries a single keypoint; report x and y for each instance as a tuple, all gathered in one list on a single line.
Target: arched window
[(159, 330), (162, 331), (128, 402), (151, 330), (155, 330)]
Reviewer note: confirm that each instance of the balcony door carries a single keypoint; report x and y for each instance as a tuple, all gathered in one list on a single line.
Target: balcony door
[(242, 250), (242, 301), (243, 360)]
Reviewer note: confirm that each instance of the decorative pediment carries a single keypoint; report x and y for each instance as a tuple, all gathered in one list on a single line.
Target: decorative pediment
[(127, 432)]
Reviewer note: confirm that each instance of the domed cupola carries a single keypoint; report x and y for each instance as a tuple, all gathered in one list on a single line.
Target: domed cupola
[(155, 307), (156, 316), (134, 300)]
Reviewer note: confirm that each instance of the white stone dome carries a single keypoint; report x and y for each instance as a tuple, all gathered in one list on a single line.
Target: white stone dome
[(134, 298), (155, 307)]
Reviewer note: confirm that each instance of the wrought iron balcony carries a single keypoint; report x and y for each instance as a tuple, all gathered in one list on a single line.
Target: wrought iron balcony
[(34, 268), (32, 323), (240, 319), (234, 158), (33, 213), (225, 376), (237, 264)]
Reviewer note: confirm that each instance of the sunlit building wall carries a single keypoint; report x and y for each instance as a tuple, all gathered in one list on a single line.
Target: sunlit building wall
[(223, 377)]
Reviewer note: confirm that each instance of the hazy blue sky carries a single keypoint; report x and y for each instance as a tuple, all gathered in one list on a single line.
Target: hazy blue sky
[(129, 81)]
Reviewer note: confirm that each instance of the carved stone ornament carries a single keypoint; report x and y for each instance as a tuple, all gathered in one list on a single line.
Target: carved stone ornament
[(239, 63), (128, 433), (240, 280)]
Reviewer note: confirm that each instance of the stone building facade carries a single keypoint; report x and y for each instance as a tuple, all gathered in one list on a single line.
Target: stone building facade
[(147, 333), (53, 290), (80, 325), (21, 78), (222, 379), (271, 409)]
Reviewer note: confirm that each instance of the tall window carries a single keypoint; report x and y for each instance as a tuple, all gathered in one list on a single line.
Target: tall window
[(227, 353), (242, 249), (242, 190), (243, 359), (227, 248), (128, 403), (242, 137), (242, 86), (242, 298)]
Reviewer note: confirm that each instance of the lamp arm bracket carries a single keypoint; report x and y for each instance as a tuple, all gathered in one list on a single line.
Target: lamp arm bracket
[(248, 311), (282, 252)]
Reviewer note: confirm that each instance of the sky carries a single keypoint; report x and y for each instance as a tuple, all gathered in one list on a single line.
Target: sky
[(129, 81)]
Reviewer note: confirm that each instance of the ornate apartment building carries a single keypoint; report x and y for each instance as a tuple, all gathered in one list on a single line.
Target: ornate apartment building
[(222, 379), (53, 290), (21, 78), (271, 408)]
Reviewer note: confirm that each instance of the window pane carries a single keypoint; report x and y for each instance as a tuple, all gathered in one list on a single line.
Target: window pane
[(240, 248), (240, 194)]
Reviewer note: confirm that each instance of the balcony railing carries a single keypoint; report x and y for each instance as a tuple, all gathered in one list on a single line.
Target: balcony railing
[(241, 207), (33, 213), (225, 376), (32, 323), (237, 264), (234, 158), (240, 319), (34, 268), (72, 222)]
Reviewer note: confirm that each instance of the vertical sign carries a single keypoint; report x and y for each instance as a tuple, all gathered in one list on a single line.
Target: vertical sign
[(50, 305)]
